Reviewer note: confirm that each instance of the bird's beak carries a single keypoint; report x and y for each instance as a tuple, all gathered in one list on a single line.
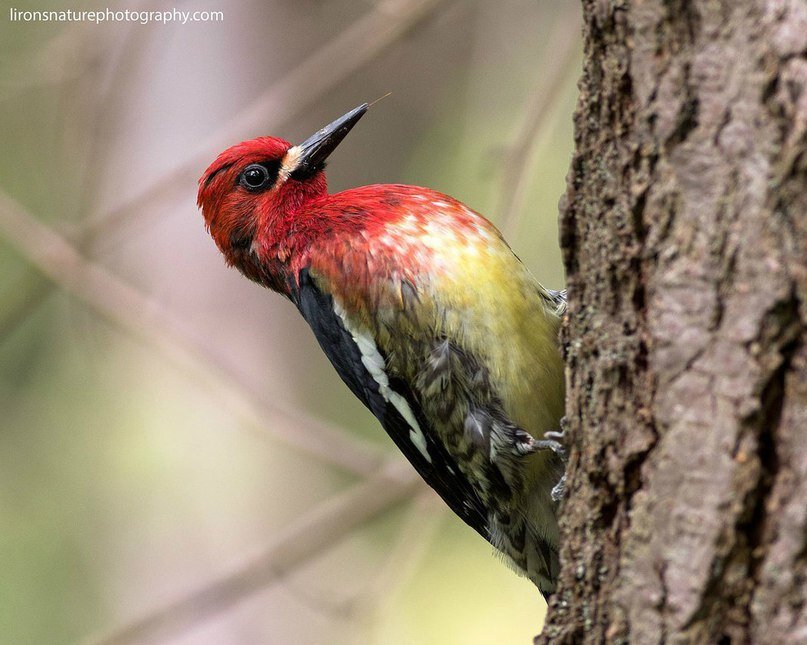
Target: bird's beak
[(315, 150)]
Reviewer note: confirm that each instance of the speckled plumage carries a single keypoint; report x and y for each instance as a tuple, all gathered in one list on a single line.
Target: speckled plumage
[(415, 296)]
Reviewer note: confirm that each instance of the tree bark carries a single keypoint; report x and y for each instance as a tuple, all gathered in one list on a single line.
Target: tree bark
[(684, 231)]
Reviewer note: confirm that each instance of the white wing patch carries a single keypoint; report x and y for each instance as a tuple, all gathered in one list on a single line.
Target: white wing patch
[(374, 363)]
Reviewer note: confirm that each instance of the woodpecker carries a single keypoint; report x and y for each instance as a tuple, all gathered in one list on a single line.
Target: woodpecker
[(429, 318)]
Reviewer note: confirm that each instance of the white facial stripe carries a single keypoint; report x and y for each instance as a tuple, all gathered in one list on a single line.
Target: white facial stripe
[(290, 160), (374, 363)]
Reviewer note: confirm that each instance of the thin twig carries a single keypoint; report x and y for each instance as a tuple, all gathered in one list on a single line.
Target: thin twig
[(563, 53), (68, 55), (412, 542), (124, 58), (145, 318), (64, 57), (423, 517), (311, 534)]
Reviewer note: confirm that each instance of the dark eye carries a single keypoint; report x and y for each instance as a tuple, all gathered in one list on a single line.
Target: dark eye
[(255, 177)]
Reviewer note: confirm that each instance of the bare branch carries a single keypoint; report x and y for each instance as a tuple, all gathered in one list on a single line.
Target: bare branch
[(296, 544), (413, 539), (20, 299), (518, 172), (147, 319)]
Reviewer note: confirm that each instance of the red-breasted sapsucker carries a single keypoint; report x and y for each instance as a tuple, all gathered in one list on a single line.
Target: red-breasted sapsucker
[(427, 315)]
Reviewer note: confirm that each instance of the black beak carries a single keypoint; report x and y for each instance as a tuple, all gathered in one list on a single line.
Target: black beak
[(315, 150)]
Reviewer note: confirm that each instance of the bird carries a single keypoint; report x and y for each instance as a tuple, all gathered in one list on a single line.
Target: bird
[(428, 317)]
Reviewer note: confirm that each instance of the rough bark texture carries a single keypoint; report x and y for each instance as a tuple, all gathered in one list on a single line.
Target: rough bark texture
[(684, 230)]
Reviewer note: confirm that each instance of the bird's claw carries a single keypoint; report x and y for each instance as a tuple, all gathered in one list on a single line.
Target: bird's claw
[(556, 441), (559, 489), (551, 444), (556, 436)]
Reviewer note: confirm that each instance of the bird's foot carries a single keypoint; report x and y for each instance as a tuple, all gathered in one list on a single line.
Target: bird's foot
[(556, 441), (550, 443)]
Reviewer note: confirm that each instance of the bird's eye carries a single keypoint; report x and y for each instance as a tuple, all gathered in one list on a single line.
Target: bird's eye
[(255, 177)]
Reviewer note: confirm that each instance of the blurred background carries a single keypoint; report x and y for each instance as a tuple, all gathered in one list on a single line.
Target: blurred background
[(178, 461)]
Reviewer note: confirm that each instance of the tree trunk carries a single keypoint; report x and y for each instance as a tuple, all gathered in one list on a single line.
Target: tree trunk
[(684, 230)]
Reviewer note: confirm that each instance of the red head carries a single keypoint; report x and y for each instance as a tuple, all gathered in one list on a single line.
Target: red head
[(251, 191)]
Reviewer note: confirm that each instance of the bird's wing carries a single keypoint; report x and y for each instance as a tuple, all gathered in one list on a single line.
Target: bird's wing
[(360, 364)]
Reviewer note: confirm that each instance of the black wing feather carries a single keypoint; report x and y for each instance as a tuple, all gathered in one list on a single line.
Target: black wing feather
[(442, 472)]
